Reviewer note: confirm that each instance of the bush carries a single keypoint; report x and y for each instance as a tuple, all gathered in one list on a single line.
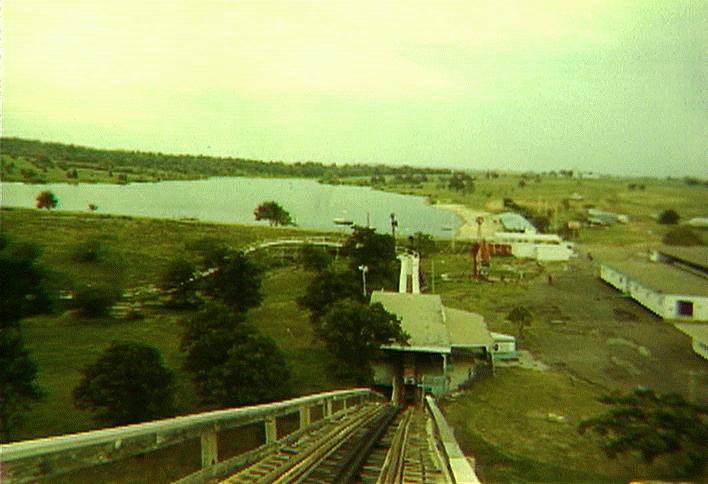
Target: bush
[(88, 251), (682, 236), (669, 217), (127, 384), (94, 301), (315, 258)]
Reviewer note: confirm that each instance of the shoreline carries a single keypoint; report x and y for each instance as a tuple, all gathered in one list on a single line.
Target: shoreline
[(468, 229)]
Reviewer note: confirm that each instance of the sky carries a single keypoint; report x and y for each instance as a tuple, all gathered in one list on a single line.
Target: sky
[(617, 87)]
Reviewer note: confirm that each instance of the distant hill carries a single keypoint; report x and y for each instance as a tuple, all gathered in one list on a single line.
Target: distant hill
[(36, 161)]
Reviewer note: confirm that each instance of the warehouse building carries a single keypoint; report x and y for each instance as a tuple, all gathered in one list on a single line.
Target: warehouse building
[(673, 285)]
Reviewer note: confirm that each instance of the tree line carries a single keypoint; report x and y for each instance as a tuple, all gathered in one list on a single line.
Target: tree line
[(49, 154)]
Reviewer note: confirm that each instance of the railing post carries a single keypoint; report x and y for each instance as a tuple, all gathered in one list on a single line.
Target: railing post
[(328, 408), (271, 430), (210, 448), (304, 416)]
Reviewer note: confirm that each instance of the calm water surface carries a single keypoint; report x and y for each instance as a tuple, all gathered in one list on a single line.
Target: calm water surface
[(233, 199)]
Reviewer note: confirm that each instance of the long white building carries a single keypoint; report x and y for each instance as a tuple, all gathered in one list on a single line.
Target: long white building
[(673, 286)]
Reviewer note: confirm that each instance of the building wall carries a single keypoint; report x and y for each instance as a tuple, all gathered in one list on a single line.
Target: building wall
[(523, 251), (613, 278), (663, 305), (700, 307), (552, 252)]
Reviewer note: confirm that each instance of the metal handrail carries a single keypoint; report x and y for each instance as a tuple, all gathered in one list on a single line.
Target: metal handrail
[(107, 445)]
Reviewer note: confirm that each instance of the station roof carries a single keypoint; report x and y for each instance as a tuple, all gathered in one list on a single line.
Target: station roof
[(431, 326), (467, 330), (663, 278), (697, 256), (421, 315)]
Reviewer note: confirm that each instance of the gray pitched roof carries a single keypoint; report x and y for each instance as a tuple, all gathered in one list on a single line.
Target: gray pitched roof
[(421, 317), (431, 326)]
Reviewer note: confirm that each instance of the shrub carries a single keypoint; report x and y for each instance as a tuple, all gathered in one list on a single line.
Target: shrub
[(94, 301), (88, 251), (669, 217), (315, 258)]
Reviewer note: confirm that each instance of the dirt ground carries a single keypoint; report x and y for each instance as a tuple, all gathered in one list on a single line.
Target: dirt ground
[(589, 329)]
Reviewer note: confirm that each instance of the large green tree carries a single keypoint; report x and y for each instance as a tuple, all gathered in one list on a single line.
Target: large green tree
[(236, 282), (17, 379), (230, 362), (178, 281), (273, 213), (353, 333), (328, 287), (22, 294), (127, 384), (653, 425), (376, 251)]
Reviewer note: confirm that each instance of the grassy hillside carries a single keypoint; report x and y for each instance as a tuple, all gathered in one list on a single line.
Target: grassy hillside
[(135, 253)]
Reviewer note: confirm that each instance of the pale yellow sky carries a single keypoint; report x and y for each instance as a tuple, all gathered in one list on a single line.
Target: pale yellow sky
[(613, 86)]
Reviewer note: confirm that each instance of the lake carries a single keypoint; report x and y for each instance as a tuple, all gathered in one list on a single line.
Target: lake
[(233, 199)]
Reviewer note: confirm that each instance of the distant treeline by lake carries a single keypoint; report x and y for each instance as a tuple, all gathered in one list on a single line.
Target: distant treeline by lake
[(38, 162)]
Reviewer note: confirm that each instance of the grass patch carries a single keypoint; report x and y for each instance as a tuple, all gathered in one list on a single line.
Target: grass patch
[(504, 422)]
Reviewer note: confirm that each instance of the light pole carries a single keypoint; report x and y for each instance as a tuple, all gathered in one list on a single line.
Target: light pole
[(364, 269)]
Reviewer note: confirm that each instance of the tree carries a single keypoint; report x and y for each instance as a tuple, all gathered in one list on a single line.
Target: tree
[(17, 379), (22, 285), (522, 317), (669, 217), (94, 301), (22, 294), (237, 282), (315, 258), (47, 199), (230, 362), (353, 333), (273, 213), (461, 182), (654, 425), (127, 384), (328, 287), (365, 247), (177, 280)]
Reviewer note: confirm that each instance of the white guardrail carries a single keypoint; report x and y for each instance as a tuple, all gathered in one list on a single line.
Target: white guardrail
[(459, 466), (32, 460)]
